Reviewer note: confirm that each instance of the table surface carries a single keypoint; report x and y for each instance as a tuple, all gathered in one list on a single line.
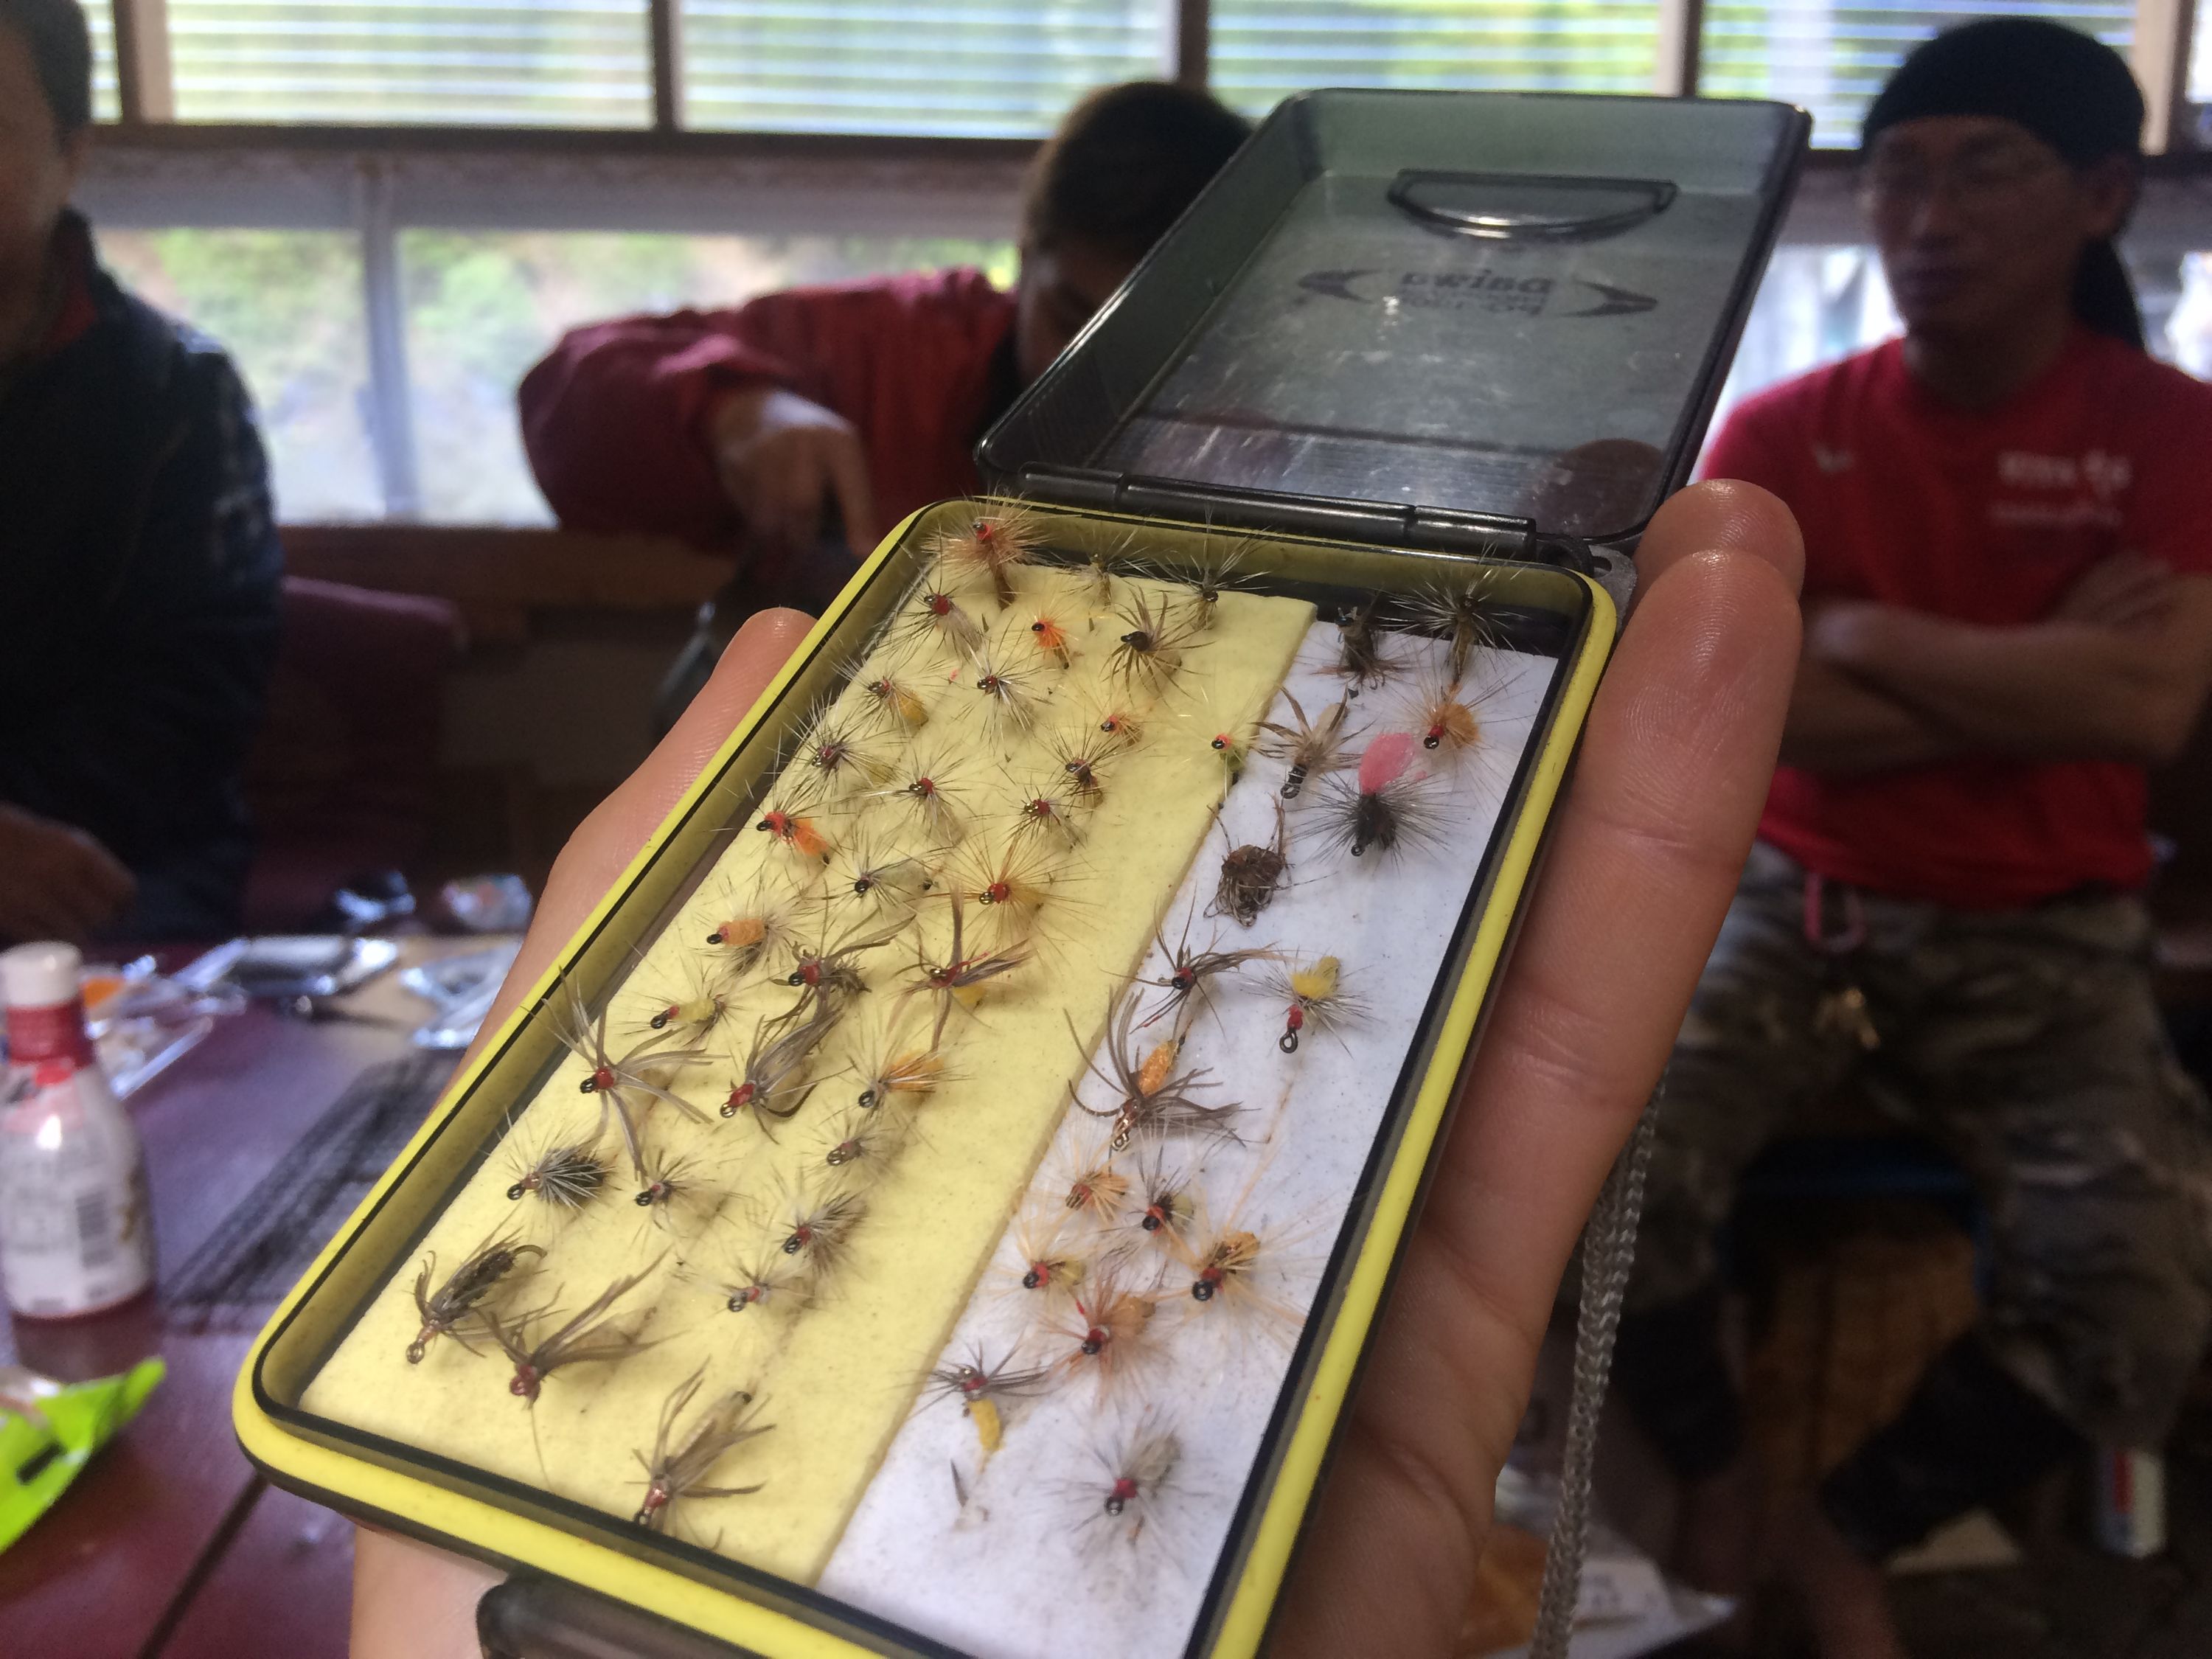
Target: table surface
[(168, 1543)]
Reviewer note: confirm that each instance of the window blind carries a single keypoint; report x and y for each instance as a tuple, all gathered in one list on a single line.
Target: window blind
[(966, 68), (106, 102), (530, 63), (1264, 50), (1832, 59), (2200, 56)]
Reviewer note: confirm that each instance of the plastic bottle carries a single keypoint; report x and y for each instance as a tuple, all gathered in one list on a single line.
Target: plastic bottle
[(76, 1230)]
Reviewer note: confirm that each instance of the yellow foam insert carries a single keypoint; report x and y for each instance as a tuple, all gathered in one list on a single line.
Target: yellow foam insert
[(837, 1377)]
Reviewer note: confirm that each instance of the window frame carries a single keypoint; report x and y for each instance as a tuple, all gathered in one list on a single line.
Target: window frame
[(150, 171)]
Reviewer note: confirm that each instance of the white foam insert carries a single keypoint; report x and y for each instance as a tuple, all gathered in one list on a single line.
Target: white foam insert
[(1029, 1565)]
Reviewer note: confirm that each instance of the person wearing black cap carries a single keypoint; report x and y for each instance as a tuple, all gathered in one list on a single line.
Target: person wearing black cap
[(2008, 524)]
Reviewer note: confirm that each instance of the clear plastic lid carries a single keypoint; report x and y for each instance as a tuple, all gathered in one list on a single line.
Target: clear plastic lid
[(1512, 307)]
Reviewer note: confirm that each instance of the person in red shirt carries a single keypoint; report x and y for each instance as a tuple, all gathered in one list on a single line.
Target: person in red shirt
[(2008, 528), (748, 429)]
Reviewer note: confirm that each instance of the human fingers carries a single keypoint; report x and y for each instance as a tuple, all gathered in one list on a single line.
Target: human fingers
[(609, 838), (1646, 851)]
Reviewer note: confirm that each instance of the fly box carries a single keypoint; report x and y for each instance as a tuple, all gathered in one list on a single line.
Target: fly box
[(938, 1201)]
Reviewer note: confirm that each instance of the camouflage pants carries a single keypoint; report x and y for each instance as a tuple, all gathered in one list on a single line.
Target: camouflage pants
[(2027, 1043)]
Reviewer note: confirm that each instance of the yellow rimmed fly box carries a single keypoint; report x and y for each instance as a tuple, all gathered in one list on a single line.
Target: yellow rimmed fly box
[(938, 1201)]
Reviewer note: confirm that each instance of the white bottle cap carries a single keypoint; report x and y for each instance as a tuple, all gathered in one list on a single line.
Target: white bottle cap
[(42, 975)]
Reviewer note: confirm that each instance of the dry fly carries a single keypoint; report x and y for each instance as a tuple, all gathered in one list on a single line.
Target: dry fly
[(1079, 760), (900, 1071), (624, 1089), (993, 546), (1009, 695), (1047, 817), (1385, 807), (589, 1338), (692, 1008), (672, 1185), (1045, 1267), (831, 972), (566, 1175), (460, 1299), (1362, 657), (1122, 728), (1133, 1479), (741, 933), (978, 1383), (680, 1464), (795, 831), (838, 761), (1250, 877), (1016, 884), (1110, 1328), (1152, 1100), (1466, 614), (1051, 640), (860, 1144), (773, 1085), (937, 619), (888, 877), (1149, 651), (896, 704), (1188, 971), (927, 789), (1208, 581), (959, 978), (1093, 1188), (1311, 748), (1163, 1198), (1314, 1000), (770, 1277), (814, 1228)]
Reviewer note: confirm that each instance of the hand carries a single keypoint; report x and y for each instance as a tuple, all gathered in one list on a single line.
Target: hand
[(1645, 854), (2126, 591), (56, 881), (779, 456)]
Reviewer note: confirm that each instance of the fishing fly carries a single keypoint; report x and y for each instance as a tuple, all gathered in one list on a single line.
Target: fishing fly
[(838, 761), (567, 1174), (1251, 875), (1310, 749), (1151, 649), (1009, 693), (980, 1384), (591, 1337), (1386, 807), (1151, 1099), (993, 546), (831, 972), (1314, 1000), (1467, 615), (460, 1300), (1447, 717), (887, 877), (773, 1085), (895, 703), (928, 791), (938, 619), (1164, 1198), (815, 1226), (1187, 972), (757, 1281), (1092, 1189), (860, 1144), (692, 1007), (794, 830), (1109, 1330), (1362, 657), (625, 1088), (959, 978), (1079, 760), (1051, 640), (741, 933), (681, 1463), (673, 1186), (900, 1072), (1133, 1479)]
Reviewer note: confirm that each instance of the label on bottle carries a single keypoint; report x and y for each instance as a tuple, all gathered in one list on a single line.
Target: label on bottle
[(76, 1228)]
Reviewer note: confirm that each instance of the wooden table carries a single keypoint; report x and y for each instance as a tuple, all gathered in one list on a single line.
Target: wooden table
[(168, 1544)]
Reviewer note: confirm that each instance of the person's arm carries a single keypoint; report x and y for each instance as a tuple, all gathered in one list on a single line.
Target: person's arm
[(136, 751), (1644, 858), (704, 424), (2069, 688), (1842, 724)]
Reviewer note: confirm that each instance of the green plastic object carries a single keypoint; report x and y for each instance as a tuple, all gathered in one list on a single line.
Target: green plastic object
[(49, 1431)]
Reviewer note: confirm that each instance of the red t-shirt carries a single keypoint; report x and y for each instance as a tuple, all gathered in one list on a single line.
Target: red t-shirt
[(1987, 518), (612, 417)]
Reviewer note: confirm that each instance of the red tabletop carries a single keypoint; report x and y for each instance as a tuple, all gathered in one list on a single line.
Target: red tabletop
[(167, 1543)]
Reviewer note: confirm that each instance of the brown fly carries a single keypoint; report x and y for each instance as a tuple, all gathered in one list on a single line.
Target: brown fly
[(1311, 748), (1188, 971), (592, 1337), (458, 1302), (1250, 877), (625, 1088), (831, 972), (1466, 614), (680, 1464), (1362, 658), (1152, 1099), (773, 1085), (955, 980), (567, 1175)]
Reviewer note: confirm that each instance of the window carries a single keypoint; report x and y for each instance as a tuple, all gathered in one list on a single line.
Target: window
[(515, 63), (958, 68), (106, 105), (1264, 50), (480, 308), (1833, 58), (287, 305)]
